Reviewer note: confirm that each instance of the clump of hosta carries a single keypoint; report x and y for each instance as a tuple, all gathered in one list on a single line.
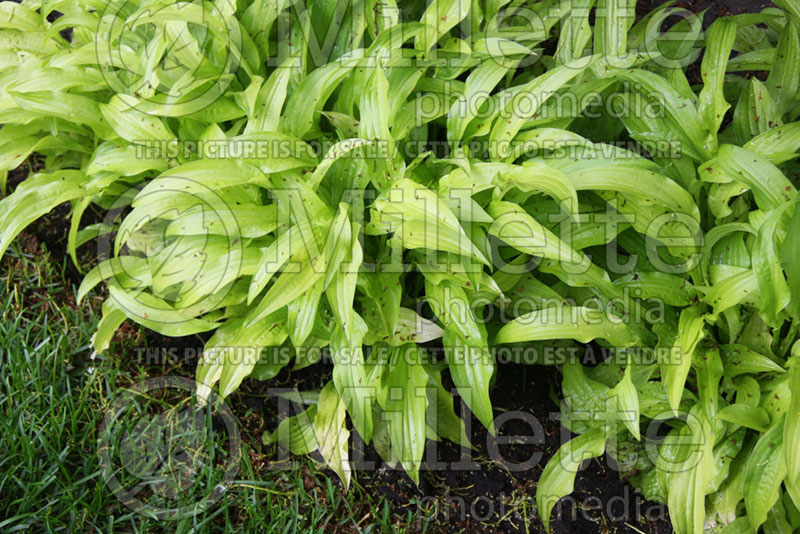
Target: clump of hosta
[(429, 187)]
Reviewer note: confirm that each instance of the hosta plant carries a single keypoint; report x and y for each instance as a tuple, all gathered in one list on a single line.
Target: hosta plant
[(402, 190)]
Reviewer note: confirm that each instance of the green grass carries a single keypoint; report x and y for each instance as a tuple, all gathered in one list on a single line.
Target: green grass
[(53, 397)]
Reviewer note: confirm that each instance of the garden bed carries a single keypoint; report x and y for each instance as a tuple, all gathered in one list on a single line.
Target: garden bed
[(484, 498), (489, 497)]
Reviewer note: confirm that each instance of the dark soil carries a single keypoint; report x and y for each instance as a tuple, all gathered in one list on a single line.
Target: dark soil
[(714, 8), (492, 488)]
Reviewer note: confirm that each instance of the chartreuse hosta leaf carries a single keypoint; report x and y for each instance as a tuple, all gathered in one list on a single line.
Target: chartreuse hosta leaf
[(558, 477), (440, 415), (284, 194), (690, 471), (792, 242), (156, 313), (518, 229), (712, 105), (384, 292), (766, 469), (405, 405), (423, 220), (133, 125), (627, 399), (311, 95), (576, 33), (466, 346), (769, 185), (749, 416), (266, 111), (439, 18), (112, 318), (349, 375), (526, 100), (580, 323), (676, 370), (331, 433), (296, 433), (679, 110), (611, 34), (767, 266), (249, 339), (791, 433), (36, 197), (783, 77), (480, 82), (671, 289), (302, 314)]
